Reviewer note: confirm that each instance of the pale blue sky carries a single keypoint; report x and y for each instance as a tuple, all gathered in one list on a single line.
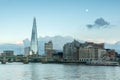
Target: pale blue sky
[(59, 17)]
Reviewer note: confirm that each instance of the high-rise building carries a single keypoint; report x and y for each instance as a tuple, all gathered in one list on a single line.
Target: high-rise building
[(26, 51), (48, 46), (49, 49), (34, 39)]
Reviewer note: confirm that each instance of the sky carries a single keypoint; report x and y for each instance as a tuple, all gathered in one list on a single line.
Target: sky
[(89, 20)]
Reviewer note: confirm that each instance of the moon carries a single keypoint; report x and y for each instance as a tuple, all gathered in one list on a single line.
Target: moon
[(86, 10)]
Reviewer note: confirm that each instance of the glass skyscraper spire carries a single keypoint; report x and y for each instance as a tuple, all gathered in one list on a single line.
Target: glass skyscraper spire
[(34, 39)]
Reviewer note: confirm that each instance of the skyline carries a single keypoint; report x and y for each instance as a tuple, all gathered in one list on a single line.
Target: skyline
[(59, 17)]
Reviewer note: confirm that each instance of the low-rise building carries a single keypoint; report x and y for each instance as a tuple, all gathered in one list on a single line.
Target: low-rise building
[(58, 56), (111, 54), (8, 53)]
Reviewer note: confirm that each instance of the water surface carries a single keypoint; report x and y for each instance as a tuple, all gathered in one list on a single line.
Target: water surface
[(38, 71)]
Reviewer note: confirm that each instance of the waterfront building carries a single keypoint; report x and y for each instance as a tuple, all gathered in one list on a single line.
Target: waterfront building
[(76, 51), (91, 51), (8, 53), (34, 39), (101, 54), (71, 51), (111, 54), (58, 56), (86, 54)]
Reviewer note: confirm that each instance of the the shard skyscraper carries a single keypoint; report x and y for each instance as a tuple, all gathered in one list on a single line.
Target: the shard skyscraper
[(34, 39)]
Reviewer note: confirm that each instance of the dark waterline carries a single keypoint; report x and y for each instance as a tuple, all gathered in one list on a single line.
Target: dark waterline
[(38, 71)]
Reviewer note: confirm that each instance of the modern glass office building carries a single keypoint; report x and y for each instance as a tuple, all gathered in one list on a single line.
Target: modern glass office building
[(34, 39)]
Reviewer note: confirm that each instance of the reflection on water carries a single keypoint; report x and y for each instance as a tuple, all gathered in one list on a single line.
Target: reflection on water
[(38, 71)]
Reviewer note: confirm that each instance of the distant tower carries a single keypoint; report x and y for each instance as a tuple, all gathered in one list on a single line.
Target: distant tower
[(34, 40)]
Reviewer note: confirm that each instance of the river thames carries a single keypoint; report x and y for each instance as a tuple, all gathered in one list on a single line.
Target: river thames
[(38, 71)]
